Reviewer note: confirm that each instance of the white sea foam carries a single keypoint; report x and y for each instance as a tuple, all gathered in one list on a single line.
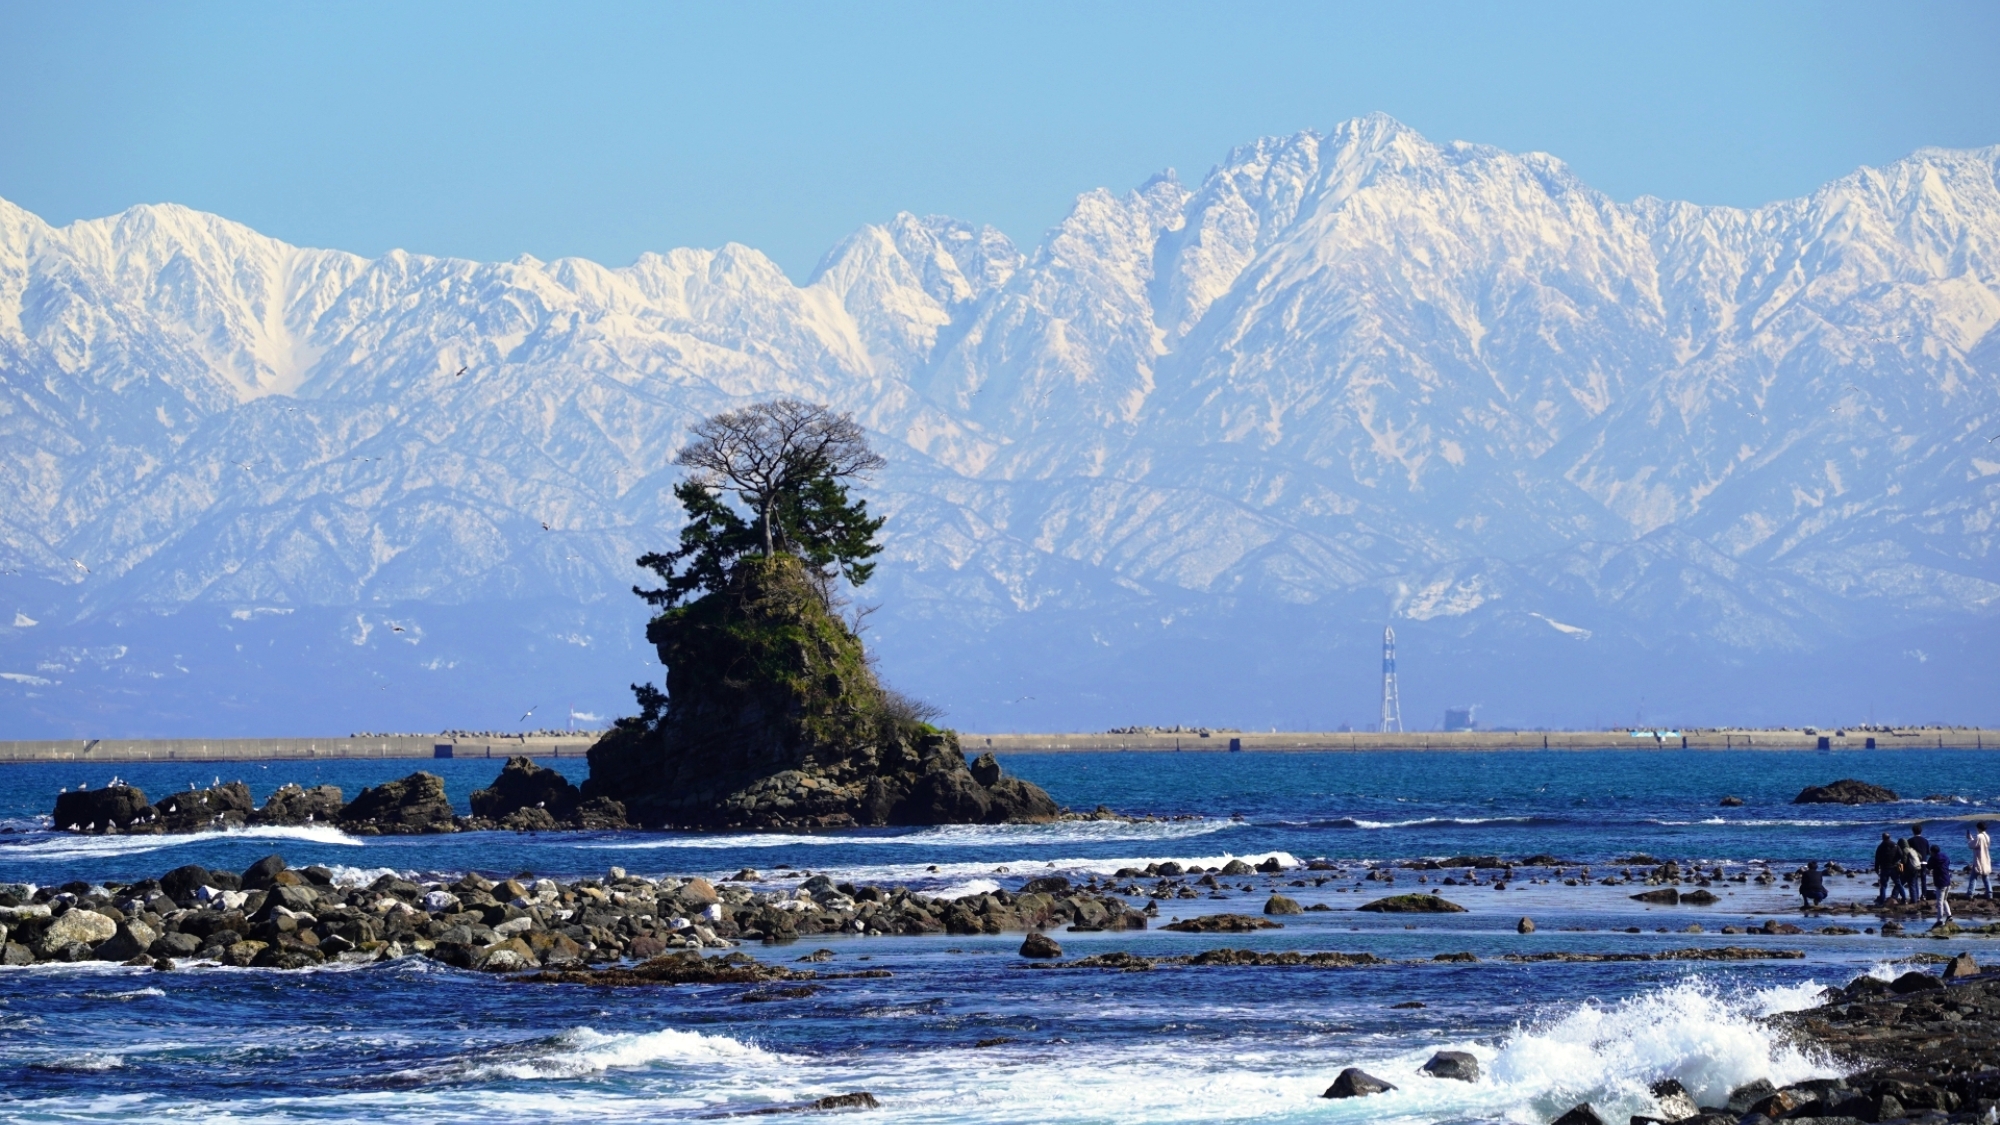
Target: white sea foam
[(63, 846), (583, 1051), (948, 836), (951, 874)]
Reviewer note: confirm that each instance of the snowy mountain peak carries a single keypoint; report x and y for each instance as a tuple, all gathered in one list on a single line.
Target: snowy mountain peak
[(1347, 376)]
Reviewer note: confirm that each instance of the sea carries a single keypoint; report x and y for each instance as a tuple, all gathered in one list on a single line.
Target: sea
[(962, 1030)]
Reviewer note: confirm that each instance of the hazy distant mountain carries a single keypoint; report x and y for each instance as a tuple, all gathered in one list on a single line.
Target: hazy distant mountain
[(1596, 461)]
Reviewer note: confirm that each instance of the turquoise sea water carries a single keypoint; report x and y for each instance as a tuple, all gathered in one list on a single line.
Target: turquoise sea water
[(427, 1043)]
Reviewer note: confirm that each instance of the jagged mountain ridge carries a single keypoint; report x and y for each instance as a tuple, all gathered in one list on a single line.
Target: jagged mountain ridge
[(1348, 378)]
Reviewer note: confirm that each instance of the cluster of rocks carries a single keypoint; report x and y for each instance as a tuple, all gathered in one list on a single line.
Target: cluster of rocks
[(525, 797), (1923, 1047), (273, 916)]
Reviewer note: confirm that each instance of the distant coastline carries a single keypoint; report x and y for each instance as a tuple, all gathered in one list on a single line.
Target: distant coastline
[(549, 745)]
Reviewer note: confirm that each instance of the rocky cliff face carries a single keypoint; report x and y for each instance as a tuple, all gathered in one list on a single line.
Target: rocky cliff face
[(775, 719), (1178, 462)]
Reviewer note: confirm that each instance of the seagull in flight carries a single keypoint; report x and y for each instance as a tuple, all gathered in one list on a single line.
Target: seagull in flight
[(395, 628), (461, 371), (525, 714), (78, 563), (546, 527)]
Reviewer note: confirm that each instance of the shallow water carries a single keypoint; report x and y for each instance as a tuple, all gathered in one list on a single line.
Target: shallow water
[(428, 1043)]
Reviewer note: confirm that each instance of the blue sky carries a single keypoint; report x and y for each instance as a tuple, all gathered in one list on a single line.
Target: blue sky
[(606, 130)]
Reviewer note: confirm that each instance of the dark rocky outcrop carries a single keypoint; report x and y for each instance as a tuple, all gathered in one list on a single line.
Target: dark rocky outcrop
[(294, 805), (410, 805), (524, 785), (1280, 904), (1457, 1065), (199, 810), (1846, 791), (1580, 1114), (1412, 904), (774, 719), (1356, 1083), (1040, 945), (86, 810), (1223, 924)]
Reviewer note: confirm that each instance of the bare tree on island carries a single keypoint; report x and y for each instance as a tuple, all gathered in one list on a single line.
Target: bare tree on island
[(771, 450), (773, 716)]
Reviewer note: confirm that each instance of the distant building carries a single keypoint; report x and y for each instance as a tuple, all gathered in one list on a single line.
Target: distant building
[(1459, 718)]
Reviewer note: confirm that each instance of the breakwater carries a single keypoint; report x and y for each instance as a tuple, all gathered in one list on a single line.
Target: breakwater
[(289, 749), (1220, 741)]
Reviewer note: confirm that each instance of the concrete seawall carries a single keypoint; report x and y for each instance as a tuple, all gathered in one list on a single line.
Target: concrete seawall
[(286, 749)]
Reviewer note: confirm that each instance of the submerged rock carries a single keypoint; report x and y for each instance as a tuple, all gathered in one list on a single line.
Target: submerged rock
[(1846, 791), (1412, 904), (1356, 1083)]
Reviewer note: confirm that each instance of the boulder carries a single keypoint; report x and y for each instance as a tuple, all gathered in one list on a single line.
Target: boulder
[(1525, 926), (259, 875), (1356, 1083), (1271, 866), (1732, 802), (1961, 966), (1223, 924), (1749, 1094), (202, 810), (14, 953), (1412, 904), (414, 804), (1846, 791), (294, 805), (1041, 946), (1664, 896), (78, 926), (132, 939), (116, 806), (985, 769), (1237, 867), (1699, 897), (1279, 904), (524, 785), (1458, 1065), (182, 882), (1912, 981), (1672, 1101), (1580, 1114)]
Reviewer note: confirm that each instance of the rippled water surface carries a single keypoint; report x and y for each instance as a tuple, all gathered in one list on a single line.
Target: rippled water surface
[(426, 1043)]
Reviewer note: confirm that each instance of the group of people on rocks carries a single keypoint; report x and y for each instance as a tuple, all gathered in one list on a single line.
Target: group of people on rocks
[(1916, 868)]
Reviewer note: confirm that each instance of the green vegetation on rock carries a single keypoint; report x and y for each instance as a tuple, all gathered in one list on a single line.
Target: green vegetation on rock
[(772, 715)]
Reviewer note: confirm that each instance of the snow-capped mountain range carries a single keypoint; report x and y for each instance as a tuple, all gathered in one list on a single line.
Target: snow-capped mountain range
[(1181, 462)]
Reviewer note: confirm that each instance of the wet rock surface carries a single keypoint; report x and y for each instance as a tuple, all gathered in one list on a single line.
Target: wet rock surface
[(1846, 791)]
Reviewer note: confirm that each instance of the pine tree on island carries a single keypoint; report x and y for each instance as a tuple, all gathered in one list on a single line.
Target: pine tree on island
[(772, 715)]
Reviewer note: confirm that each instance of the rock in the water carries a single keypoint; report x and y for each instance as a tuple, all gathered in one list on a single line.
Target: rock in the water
[(1356, 1083), (811, 740), (1412, 904), (1223, 924), (1673, 1100), (115, 806), (1525, 926), (413, 804), (1580, 1114), (1664, 896), (293, 805), (1961, 966), (1846, 791), (1457, 1065), (1040, 945), (200, 810), (1732, 802), (524, 785), (1914, 981), (1749, 1094), (1279, 904)]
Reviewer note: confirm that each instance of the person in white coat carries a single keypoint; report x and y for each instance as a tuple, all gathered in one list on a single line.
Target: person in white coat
[(1981, 867)]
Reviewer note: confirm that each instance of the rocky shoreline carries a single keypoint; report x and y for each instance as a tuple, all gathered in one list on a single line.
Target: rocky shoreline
[(525, 797)]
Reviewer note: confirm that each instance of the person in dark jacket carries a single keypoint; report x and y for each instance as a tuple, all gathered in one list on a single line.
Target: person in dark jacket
[(1940, 873), (1812, 885), (1888, 870)]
